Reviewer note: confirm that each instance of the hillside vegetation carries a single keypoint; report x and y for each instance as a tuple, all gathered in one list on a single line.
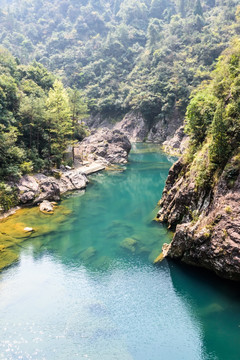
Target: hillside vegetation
[(125, 54), (202, 193), (213, 121), (39, 119)]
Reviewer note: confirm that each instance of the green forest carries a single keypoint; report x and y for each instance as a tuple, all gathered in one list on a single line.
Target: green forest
[(39, 119), (125, 54), (62, 60), (213, 123)]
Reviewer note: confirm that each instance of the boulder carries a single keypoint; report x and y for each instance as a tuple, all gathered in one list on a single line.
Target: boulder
[(46, 207), (111, 145), (72, 180), (129, 244), (37, 188), (28, 229)]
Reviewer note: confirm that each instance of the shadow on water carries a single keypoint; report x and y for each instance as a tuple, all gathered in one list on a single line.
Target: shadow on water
[(215, 302)]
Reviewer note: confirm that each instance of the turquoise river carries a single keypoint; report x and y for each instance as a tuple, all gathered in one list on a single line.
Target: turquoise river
[(87, 288)]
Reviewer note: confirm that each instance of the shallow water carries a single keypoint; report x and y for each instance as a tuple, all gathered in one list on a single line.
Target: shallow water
[(85, 286)]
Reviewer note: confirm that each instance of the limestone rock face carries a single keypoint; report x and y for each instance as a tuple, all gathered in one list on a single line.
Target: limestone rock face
[(105, 145), (138, 129), (207, 222), (98, 121), (165, 128), (134, 126)]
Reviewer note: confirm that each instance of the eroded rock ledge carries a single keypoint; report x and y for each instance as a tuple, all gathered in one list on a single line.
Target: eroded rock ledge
[(206, 223), (94, 153)]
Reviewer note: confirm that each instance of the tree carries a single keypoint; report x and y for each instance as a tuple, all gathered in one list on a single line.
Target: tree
[(32, 114), (79, 111), (219, 149), (198, 8), (200, 114), (59, 122), (157, 8), (182, 8)]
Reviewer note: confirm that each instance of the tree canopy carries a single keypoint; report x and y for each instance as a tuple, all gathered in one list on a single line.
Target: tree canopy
[(146, 55)]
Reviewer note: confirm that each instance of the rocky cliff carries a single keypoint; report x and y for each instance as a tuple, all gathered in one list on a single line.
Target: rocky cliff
[(108, 146), (206, 222), (138, 129)]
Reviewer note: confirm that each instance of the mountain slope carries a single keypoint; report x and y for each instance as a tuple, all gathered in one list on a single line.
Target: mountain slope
[(126, 55), (202, 193)]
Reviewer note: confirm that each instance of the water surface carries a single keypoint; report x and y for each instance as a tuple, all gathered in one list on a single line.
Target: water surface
[(85, 286)]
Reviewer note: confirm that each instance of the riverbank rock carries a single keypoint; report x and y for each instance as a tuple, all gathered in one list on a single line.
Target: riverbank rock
[(37, 188), (206, 222), (165, 128), (106, 145), (46, 207), (28, 229), (72, 180)]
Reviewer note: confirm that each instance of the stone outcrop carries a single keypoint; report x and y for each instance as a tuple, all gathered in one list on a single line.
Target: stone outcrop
[(109, 146), (206, 222), (165, 128), (176, 144), (37, 188), (98, 121), (137, 128), (102, 148), (134, 126)]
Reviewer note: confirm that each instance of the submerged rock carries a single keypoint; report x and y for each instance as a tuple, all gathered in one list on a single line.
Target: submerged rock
[(129, 244), (88, 253), (46, 207)]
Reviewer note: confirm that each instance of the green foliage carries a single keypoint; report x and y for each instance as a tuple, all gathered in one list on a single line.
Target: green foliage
[(200, 113), (220, 149), (119, 52), (212, 121), (26, 167), (59, 122), (8, 197), (36, 118)]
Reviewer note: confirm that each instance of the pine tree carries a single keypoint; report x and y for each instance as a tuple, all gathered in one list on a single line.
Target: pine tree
[(219, 150), (59, 122), (182, 8), (198, 8), (79, 111)]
